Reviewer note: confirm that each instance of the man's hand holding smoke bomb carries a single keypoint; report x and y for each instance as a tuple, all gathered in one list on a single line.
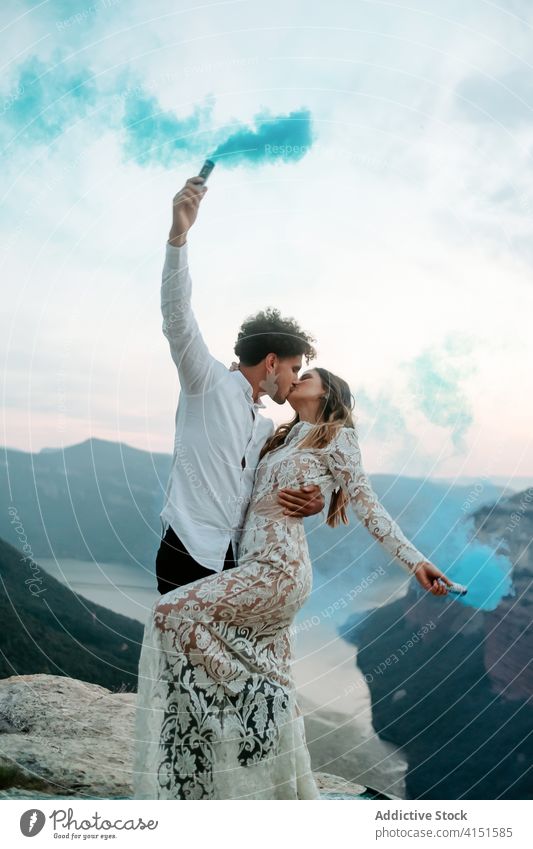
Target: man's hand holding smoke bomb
[(185, 209)]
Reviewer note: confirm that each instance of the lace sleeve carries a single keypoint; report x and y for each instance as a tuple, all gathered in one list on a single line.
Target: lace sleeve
[(346, 466)]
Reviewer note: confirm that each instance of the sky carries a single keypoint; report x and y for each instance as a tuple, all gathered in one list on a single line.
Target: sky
[(374, 180)]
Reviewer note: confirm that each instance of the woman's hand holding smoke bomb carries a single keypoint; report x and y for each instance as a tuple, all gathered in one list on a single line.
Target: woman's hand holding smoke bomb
[(430, 577)]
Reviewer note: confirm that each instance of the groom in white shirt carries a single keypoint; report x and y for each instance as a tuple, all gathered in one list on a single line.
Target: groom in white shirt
[(219, 428)]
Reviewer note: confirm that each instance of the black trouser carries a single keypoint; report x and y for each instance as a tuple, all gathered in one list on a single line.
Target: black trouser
[(174, 566)]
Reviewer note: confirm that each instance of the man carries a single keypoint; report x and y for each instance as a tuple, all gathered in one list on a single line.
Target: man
[(219, 428)]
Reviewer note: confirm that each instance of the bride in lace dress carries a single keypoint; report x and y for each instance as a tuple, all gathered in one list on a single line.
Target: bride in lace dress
[(217, 715)]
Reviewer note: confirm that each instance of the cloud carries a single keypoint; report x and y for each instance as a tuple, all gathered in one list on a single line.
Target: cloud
[(406, 212), (506, 100)]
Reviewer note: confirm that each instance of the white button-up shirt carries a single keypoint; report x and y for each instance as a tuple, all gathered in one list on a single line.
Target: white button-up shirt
[(219, 431)]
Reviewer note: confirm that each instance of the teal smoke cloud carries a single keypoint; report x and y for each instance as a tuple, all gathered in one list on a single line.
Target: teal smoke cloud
[(44, 100), (156, 137), (481, 567), (435, 380), (282, 137), (440, 524)]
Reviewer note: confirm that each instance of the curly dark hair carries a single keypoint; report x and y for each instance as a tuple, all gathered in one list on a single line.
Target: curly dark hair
[(268, 332)]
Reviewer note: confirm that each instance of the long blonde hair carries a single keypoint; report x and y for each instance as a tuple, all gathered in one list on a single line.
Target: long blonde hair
[(335, 412)]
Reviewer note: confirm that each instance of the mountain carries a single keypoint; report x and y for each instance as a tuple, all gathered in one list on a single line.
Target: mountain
[(509, 628), (46, 628), (451, 684), (95, 500)]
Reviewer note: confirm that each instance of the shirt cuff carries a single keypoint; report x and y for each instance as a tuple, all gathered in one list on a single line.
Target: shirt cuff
[(176, 257)]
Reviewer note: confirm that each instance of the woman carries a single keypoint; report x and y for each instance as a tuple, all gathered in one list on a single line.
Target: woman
[(217, 716)]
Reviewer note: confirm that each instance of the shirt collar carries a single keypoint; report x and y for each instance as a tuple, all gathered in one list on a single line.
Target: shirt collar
[(247, 387)]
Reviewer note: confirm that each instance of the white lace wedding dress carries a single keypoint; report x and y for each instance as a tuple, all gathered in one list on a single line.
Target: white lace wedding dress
[(217, 715)]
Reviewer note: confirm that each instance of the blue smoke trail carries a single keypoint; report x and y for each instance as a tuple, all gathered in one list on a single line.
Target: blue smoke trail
[(286, 138), (43, 99), (156, 137), (479, 566)]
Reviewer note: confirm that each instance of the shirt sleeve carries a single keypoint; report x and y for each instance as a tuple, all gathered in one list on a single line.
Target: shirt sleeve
[(346, 466), (198, 370)]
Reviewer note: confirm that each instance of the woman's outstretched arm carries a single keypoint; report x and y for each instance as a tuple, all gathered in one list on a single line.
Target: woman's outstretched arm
[(347, 468)]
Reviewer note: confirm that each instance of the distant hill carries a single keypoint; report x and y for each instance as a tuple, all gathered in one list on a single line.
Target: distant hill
[(96, 500), (46, 628)]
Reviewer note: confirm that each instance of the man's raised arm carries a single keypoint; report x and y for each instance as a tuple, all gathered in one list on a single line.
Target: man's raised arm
[(196, 365)]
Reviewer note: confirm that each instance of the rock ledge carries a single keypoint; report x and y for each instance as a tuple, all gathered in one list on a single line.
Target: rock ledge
[(62, 738)]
